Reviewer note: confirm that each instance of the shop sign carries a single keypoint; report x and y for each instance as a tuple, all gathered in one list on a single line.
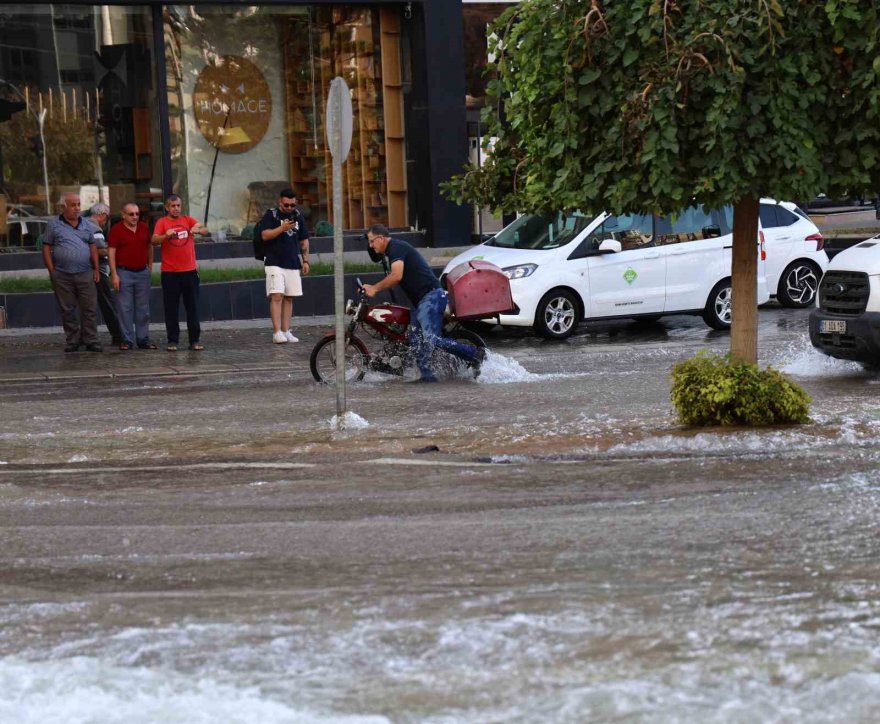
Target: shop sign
[(232, 104)]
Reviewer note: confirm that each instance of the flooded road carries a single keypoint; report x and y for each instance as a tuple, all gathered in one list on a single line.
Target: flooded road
[(208, 549)]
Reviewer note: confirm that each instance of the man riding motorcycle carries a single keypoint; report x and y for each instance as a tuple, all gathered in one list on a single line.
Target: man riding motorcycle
[(410, 270)]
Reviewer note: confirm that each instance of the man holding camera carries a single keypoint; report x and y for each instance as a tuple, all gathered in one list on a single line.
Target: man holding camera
[(284, 234)]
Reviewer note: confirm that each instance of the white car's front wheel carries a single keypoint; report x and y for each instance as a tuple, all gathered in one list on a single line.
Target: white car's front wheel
[(558, 314)]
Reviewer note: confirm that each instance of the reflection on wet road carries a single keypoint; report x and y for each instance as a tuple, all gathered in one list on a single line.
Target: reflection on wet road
[(209, 549)]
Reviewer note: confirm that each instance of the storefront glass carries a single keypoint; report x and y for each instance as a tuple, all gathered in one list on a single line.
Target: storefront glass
[(247, 90), (477, 17), (88, 71)]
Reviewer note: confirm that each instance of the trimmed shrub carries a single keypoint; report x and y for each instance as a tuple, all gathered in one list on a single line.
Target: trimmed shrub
[(713, 390)]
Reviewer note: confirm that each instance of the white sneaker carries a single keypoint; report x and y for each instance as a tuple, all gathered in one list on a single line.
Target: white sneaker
[(279, 338), (290, 337)]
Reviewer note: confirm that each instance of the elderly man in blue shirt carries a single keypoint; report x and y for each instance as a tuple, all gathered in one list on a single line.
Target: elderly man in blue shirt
[(71, 257)]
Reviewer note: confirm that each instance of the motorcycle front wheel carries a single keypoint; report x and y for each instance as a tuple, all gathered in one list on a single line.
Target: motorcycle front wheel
[(323, 360)]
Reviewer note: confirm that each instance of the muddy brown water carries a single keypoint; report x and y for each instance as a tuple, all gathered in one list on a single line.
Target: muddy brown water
[(209, 549)]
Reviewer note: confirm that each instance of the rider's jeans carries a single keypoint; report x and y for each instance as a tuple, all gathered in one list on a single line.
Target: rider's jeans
[(429, 318)]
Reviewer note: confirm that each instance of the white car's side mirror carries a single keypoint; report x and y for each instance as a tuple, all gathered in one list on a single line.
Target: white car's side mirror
[(610, 246)]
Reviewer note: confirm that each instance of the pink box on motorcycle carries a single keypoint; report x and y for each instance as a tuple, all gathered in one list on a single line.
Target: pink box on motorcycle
[(478, 290)]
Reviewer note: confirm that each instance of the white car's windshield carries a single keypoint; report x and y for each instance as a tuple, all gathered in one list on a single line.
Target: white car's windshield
[(533, 231)]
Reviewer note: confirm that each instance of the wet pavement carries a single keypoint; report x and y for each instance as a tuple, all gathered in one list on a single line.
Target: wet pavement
[(186, 537)]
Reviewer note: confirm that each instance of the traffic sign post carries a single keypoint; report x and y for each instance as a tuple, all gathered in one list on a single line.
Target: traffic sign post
[(339, 125)]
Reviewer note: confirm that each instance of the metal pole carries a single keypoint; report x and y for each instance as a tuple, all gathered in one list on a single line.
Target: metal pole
[(338, 270), (41, 119)]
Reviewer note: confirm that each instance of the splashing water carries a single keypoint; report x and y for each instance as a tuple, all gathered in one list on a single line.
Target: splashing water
[(803, 360), (498, 369), (350, 421), (89, 689)]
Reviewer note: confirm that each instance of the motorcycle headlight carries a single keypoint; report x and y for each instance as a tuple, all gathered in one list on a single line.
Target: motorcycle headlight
[(519, 272)]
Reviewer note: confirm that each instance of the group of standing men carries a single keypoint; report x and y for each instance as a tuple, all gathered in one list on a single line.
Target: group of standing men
[(74, 251), (89, 269)]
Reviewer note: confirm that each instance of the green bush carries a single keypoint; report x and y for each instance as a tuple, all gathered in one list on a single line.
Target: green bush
[(713, 390)]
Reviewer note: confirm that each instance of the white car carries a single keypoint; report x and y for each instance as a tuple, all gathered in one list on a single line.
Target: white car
[(796, 258), (846, 321), (570, 267)]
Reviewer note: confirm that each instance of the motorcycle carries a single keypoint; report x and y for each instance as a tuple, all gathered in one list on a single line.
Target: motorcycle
[(387, 324)]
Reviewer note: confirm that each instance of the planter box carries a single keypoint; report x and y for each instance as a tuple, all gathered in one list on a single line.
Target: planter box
[(218, 301)]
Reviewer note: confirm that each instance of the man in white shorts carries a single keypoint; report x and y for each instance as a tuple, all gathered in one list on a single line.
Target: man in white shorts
[(285, 238)]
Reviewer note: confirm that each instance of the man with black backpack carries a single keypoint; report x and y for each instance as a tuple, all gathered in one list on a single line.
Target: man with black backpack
[(284, 237)]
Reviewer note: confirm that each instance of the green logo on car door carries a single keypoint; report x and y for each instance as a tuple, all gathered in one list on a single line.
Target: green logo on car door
[(630, 275)]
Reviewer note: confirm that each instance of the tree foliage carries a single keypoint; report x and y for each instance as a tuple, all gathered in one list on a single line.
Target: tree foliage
[(643, 105)]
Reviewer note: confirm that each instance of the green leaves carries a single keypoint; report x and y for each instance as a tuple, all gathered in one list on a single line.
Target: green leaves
[(713, 390), (636, 105)]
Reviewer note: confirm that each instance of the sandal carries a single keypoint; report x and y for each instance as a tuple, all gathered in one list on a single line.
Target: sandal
[(171, 348), (148, 345), (125, 346), (196, 347)]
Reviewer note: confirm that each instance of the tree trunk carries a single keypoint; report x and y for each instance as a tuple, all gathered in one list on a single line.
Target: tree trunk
[(744, 275)]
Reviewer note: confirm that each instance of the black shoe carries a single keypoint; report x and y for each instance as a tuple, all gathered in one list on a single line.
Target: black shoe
[(71, 348), (94, 347), (147, 344), (476, 364)]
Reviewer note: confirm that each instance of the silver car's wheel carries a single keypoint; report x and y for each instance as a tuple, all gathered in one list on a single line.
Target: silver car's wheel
[(798, 284), (718, 312), (558, 315)]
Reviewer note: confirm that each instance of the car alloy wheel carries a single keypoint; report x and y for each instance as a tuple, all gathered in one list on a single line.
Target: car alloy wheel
[(557, 315), (800, 282), (718, 312), (722, 305)]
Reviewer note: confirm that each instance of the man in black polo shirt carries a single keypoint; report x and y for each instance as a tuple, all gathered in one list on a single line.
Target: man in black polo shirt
[(410, 270), (71, 257), (284, 237)]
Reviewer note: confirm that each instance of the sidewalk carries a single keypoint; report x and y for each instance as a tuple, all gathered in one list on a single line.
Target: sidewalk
[(237, 346)]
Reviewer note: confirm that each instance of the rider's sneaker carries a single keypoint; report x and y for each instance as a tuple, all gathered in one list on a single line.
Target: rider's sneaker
[(290, 337), (279, 338)]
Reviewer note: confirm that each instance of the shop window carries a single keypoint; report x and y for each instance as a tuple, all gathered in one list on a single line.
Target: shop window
[(477, 17), (248, 89), (88, 71)]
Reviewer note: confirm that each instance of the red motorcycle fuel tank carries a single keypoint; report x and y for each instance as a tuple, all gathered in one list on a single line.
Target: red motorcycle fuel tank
[(389, 314)]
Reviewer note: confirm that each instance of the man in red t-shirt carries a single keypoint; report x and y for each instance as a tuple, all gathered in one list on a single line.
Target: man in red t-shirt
[(180, 277), (131, 261)]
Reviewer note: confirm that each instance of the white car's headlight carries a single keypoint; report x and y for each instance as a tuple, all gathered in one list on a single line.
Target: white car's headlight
[(519, 272)]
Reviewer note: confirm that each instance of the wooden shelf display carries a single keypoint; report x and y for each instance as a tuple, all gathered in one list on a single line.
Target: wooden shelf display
[(363, 46)]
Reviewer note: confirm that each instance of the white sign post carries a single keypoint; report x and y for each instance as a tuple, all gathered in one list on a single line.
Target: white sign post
[(339, 130)]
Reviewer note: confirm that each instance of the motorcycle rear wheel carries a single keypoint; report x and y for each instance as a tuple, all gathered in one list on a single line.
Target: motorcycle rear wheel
[(323, 360), (463, 336)]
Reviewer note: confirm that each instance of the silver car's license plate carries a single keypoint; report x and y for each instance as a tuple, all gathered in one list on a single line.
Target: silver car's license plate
[(827, 326)]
